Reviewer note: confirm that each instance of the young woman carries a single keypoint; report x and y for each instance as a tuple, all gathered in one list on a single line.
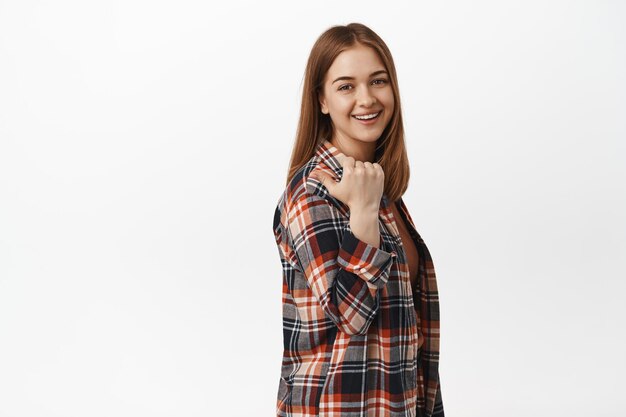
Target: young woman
[(360, 301)]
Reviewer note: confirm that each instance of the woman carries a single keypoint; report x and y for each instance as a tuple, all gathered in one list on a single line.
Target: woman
[(360, 300)]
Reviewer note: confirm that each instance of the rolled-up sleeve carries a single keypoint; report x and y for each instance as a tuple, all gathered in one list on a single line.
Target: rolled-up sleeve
[(344, 273)]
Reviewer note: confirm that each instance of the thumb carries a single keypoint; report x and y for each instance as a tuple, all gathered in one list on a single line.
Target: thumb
[(325, 179)]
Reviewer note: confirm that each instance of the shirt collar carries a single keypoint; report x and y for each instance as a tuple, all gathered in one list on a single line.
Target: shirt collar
[(328, 154)]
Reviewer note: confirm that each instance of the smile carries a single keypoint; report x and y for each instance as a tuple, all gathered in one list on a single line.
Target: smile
[(367, 116)]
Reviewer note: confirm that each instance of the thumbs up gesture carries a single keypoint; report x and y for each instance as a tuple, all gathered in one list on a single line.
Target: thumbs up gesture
[(361, 186)]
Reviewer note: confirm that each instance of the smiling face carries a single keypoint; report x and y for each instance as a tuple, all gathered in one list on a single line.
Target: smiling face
[(357, 84)]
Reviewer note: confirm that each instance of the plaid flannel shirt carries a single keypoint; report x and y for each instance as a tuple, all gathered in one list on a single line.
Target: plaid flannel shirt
[(350, 319)]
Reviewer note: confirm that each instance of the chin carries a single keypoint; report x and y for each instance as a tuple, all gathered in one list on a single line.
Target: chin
[(369, 138)]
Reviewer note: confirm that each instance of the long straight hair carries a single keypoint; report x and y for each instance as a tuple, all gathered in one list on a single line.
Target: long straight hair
[(315, 126)]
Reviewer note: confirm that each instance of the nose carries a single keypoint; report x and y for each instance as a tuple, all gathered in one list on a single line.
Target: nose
[(365, 98)]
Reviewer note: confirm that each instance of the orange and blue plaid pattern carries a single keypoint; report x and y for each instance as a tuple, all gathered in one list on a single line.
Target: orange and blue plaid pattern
[(350, 318)]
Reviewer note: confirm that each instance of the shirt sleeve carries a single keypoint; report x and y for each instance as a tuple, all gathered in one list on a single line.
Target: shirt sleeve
[(344, 273)]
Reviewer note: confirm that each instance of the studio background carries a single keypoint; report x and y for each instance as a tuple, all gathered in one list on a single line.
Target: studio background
[(144, 146)]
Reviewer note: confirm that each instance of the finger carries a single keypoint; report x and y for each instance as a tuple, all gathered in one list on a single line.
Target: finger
[(321, 177), (370, 169), (317, 175), (327, 181), (348, 162)]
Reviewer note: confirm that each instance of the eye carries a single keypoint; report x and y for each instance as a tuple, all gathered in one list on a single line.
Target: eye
[(341, 88), (382, 81)]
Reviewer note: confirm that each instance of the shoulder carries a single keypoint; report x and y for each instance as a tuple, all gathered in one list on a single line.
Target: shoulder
[(302, 187)]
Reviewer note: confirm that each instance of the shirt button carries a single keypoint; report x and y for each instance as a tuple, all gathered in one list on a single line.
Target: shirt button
[(363, 270)]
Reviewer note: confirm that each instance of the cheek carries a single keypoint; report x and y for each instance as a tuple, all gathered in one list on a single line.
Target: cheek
[(343, 109), (388, 100)]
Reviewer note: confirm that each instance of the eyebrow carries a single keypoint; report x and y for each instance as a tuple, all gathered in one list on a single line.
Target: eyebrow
[(352, 78)]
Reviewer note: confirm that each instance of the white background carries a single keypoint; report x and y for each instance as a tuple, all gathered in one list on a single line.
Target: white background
[(144, 145)]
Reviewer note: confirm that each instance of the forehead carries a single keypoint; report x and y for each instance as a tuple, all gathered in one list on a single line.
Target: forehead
[(356, 61)]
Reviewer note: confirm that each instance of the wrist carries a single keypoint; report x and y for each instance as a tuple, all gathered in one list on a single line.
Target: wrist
[(365, 227), (364, 212)]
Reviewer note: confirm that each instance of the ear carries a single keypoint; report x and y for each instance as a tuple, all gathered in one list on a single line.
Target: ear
[(322, 101)]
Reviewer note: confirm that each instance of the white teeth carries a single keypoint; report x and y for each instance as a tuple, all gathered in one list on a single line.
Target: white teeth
[(367, 116)]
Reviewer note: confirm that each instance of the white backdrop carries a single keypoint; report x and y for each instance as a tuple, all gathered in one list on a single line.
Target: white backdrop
[(144, 145)]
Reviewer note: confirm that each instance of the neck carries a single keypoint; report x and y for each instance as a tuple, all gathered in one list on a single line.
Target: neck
[(360, 151)]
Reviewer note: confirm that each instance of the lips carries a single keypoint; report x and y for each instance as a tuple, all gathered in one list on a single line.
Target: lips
[(371, 118)]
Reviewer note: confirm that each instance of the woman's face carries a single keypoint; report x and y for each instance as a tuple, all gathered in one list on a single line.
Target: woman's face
[(357, 84)]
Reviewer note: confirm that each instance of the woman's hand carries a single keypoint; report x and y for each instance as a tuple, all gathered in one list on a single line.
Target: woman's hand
[(361, 186)]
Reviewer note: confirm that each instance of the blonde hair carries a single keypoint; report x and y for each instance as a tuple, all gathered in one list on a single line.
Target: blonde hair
[(315, 126)]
